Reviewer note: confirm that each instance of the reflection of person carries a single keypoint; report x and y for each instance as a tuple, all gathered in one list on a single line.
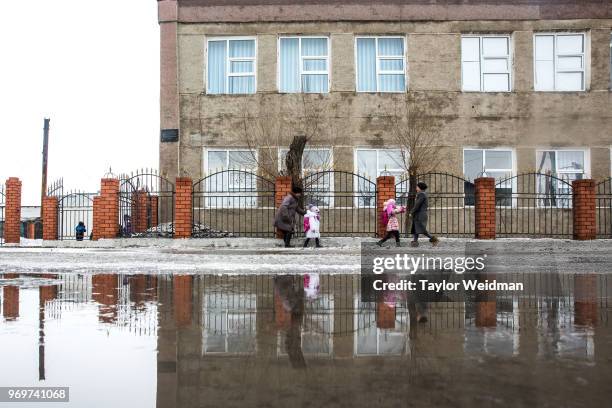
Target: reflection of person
[(293, 302), (312, 225), (419, 216), (389, 218), (127, 225), (285, 216), (311, 285), (80, 231)]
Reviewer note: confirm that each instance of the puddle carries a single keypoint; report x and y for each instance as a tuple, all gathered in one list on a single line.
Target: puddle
[(277, 341)]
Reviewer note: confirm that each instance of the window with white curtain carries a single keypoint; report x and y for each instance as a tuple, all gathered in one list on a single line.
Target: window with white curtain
[(303, 64), (232, 182), (371, 163), (565, 166), (231, 66), (319, 181), (497, 163), (381, 64), (486, 63), (559, 62)]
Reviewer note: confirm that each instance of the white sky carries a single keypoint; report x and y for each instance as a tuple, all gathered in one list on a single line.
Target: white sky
[(93, 68)]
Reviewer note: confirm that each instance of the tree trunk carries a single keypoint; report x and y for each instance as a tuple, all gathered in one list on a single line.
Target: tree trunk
[(294, 162)]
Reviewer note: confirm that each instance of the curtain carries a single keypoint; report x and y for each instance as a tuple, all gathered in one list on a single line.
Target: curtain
[(289, 65), (391, 47), (366, 65), (216, 67)]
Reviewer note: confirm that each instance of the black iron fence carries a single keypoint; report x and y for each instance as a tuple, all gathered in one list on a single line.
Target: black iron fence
[(451, 204), (603, 196), (146, 205), (2, 201), (233, 203), (534, 205), (56, 188), (75, 208), (346, 201)]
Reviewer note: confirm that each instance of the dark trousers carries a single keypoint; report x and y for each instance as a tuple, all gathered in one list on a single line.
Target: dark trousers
[(390, 234), (308, 240), (416, 236), (287, 237)]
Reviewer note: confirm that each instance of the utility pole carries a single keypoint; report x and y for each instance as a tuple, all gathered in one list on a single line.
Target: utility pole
[(45, 153)]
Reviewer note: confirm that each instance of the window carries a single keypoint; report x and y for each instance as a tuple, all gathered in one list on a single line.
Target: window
[(381, 64), (371, 163), (559, 62), (565, 166), (231, 173), (496, 163), (318, 182), (230, 324), (485, 63), (369, 339), (304, 64), (231, 66)]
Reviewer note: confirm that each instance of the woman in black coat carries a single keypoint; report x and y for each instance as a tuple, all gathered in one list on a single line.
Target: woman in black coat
[(419, 216), (284, 220)]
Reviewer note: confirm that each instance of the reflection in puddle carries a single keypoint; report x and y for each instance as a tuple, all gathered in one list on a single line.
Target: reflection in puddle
[(183, 340)]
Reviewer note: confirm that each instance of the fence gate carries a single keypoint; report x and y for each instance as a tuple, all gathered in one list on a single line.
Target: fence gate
[(146, 205), (73, 208), (347, 202), (2, 201), (534, 205), (56, 188), (604, 209), (451, 204), (233, 203)]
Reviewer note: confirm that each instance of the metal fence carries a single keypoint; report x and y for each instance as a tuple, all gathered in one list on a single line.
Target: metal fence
[(534, 205), (233, 203), (56, 188), (603, 196), (74, 208), (146, 205), (451, 204), (2, 201), (347, 202)]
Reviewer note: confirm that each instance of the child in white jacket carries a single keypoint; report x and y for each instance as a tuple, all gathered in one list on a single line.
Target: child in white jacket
[(312, 224)]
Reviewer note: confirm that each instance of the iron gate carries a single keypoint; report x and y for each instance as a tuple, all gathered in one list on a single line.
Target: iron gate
[(603, 196), (146, 205), (56, 188), (451, 204), (73, 208), (534, 205), (2, 200), (347, 202), (233, 203)]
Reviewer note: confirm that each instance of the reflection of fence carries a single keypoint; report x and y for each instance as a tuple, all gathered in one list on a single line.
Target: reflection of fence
[(146, 205), (233, 202), (2, 201), (347, 202), (604, 209), (451, 204), (73, 208), (534, 204)]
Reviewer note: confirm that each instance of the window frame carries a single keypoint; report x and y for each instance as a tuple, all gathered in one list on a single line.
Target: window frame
[(229, 60), (509, 58), (378, 170), (510, 176), (305, 174), (328, 60), (555, 35), (565, 203), (378, 59)]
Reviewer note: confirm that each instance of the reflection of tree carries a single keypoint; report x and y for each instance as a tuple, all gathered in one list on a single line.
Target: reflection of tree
[(292, 297)]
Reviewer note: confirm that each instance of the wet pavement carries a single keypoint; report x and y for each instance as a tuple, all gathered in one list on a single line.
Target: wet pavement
[(201, 340)]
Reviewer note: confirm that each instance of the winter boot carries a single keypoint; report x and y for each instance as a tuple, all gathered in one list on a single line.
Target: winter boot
[(414, 244), (434, 241)]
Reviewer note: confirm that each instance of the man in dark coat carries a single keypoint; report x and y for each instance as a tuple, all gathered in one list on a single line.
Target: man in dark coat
[(419, 216), (284, 220)]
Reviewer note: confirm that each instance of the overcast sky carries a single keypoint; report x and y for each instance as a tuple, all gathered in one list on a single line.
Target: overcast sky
[(93, 68)]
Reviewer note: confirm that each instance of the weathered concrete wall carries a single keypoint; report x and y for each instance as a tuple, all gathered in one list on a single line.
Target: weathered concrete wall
[(523, 119)]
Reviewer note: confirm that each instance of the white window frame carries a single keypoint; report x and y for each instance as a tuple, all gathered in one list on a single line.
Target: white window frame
[(302, 59), (508, 57), (380, 72), (401, 332), (225, 311), (304, 171), (556, 56), (379, 171), (510, 176), (559, 173), (229, 60)]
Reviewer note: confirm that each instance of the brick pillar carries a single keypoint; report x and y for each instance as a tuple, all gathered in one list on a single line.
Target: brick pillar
[(106, 210), (105, 292), (385, 315), (586, 312), (139, 211), (282, 187), (584, 209), (154, 206), (12, 211), (485, 207), (182, 297), (385, 185), (50, 218), (183, 208)]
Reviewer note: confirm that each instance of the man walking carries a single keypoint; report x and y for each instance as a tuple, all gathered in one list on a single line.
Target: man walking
[(419, 216)]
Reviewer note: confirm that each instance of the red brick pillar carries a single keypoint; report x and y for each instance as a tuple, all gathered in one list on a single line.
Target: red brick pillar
[(281, 189), (182, 296), (385, 185), (585, 300), (12, 211), (485, 207), (105, 291), (139, 211), (183, 208), (385, 315), (584, 209), (50, 218), (106, 210)]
